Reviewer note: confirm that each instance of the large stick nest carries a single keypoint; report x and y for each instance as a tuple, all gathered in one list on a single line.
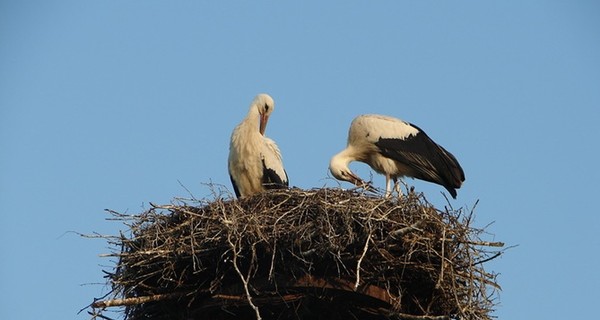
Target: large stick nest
[(298, 254)]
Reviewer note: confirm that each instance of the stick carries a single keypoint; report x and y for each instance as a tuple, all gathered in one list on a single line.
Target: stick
[(405, 230), (135, 300), (244, 280), (479, 243), (405, 316), (97, 315), (364, 253)]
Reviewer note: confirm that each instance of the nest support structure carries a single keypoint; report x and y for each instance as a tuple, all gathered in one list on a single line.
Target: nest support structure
[(301, 254)]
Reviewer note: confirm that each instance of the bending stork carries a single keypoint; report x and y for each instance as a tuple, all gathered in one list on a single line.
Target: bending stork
[(396, 148), (254, 160)]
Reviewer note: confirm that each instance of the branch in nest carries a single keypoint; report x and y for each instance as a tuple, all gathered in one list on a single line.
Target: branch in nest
[(405, 316), (135, 300), (480, 243), (365, 249), (400, 232), (235, 252)]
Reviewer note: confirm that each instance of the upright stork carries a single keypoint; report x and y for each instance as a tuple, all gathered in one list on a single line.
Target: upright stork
[(254, 160), (396, 148)]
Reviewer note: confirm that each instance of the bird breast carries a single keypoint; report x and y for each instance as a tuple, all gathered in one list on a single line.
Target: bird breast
[(387, 166), (245, 146)]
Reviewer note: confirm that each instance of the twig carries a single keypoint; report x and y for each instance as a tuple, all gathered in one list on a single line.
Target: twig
[(186, 189), (272, 268), (443, 260), (365, 249), (400, 232), (135, 300), (98, 315), (244, 280), (488, 259), (405, 316), (480, 243)]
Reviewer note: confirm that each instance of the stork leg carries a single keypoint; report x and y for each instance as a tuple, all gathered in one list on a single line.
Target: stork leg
[(388, 187), (397, 187)]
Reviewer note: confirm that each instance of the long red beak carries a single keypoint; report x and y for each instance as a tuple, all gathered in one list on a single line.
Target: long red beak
[(263, 123), (361, 183)]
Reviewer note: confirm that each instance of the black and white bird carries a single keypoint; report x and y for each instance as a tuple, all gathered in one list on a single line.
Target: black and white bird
[(254, 160), (396, 148)]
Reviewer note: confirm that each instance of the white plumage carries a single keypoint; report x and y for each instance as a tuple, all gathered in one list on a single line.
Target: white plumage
[(255, 162), (396, 148)]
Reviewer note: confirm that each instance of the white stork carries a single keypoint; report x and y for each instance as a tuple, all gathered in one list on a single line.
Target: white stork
[(396, 148), (254, 160)]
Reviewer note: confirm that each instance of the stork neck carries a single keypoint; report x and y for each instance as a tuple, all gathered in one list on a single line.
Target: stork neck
[(350, 154), (252, 120), (343, 158)]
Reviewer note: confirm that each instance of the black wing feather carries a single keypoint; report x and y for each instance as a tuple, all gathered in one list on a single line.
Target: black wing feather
[(271, 180), (235, 187), (429, 160)]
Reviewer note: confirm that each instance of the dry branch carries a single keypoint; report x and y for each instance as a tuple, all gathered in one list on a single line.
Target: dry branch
[(134, 301)]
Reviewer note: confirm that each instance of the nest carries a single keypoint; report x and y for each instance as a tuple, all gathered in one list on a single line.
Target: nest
[(301, 254)]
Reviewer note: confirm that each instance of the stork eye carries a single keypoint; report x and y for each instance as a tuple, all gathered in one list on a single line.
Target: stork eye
[(266, 107)]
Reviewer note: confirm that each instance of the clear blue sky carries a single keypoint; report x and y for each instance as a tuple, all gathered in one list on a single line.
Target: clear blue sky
[(113, 104)]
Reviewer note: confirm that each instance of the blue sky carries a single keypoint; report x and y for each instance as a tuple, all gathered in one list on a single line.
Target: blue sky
[(115, 104)]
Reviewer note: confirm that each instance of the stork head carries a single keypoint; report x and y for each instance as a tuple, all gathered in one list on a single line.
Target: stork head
[(265, 105), (338, 166)]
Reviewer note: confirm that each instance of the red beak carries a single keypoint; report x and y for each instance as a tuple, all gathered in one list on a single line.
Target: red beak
[(263, 123), (361, 183)]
